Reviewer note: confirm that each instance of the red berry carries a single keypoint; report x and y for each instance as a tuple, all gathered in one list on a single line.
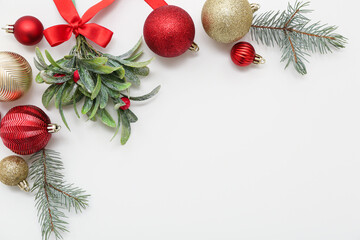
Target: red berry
[(76, 76), (127, 102), (59, 75)]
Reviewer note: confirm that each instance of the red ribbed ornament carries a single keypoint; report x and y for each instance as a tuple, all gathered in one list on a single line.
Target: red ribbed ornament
[(243, 54), (26, 129)]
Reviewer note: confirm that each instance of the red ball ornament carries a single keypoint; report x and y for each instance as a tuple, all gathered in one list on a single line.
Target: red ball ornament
[(27, 30), (127, 103), (169, 31), (26, 129), (243, 54)]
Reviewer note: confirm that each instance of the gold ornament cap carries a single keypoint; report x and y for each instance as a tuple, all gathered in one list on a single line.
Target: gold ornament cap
[(13, 171), (227, 21)]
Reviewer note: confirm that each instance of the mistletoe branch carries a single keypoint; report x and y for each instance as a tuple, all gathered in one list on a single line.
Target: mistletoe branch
[(292, 31), (98, 79)]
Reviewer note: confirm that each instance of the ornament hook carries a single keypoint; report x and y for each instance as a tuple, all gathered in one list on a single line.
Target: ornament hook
[(53, 128), (194, 47), (259, 59), (24, 185), (254, 7)]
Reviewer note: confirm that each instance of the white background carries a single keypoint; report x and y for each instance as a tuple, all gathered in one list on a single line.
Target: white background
[(222, 153)]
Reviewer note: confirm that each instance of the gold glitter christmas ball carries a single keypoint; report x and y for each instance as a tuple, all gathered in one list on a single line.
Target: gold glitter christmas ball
[(15, 76), (227, 21), (13, 171)]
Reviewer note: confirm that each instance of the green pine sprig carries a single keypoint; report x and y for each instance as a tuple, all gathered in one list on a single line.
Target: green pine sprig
[(296, 36), (104, 80), (53, 195)]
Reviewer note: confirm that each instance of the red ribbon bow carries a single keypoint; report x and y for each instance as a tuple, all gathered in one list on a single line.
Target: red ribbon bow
[(59, 34)]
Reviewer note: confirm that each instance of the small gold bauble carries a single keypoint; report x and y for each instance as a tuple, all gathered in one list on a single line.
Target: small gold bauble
[(13, 171), (227, 21), (15, 76)]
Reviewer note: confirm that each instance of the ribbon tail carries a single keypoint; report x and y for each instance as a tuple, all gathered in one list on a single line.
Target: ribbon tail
[(91, 12), (96, 33), (67, 10), (58, 34), (154, 4)]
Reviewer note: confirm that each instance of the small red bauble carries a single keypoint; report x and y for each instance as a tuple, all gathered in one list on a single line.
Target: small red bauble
[(26, 129), (169, 31), (243, 54), (27, 30), (127, 103)]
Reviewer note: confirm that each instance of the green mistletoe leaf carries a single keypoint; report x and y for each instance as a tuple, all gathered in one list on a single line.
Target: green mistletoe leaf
[(86, 80), (125, 129), (39, 79), (48, 77), (87, 106), (106, 118), (104, 98), (95, 108), (117, 86), (135, 64), (98, 68), (145, 71), (131, 77), (40, 57), (147, 96), (69, 94), (131, 51), (58, 103), (97, 88), (49, 94), (131, 116)]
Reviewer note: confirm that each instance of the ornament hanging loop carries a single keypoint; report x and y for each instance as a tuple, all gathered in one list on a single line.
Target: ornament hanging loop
[(254, 7), (9, 28), (53, 128), (24, 185), (259, 59), (194, 47)]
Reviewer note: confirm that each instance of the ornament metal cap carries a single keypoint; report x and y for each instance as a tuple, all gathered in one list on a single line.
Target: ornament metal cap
[(194, 47), (24, 185), (259, 59), (254, 7), (53, 128), (9, 28)]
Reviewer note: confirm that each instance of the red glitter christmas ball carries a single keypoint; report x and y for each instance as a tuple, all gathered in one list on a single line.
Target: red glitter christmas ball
[(28, 30), (169, 31), (26, 129)]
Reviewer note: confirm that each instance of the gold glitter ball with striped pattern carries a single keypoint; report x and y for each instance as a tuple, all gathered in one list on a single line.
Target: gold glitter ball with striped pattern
[(15, 76)]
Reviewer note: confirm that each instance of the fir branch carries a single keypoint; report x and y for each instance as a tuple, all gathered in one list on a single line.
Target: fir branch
[(53, 194), (293, 32)]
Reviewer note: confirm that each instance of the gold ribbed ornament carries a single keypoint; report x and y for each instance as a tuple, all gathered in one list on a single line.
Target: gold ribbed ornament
[(15, 76), (227, 21)]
